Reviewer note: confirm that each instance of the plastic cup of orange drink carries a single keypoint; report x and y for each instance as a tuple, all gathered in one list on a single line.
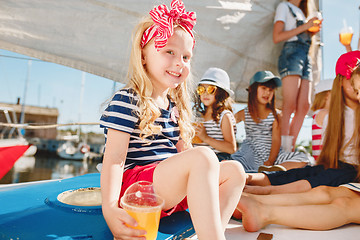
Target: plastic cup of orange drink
[(141, 203), (196, 139), (315, 28), (345, 37), (346, 34), (318, 21)]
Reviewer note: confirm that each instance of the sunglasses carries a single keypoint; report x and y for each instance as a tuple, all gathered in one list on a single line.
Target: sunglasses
[(210, 89)]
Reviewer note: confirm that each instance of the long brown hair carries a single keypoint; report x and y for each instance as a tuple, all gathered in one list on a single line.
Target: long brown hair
[(253, 102), (335, 131), (304, 7), (222, 102)]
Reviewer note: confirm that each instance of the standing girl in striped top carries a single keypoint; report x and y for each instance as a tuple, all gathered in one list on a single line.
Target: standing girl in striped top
[(148, 134), (261, 150), (214, 104), (320, 109)]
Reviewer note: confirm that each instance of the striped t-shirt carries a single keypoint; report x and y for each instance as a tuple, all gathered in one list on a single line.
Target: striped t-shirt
[(316, 137), (259, 135), (213, 129), (122, 114)]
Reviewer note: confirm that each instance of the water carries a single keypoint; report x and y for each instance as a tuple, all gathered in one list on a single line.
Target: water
[(44, 166)]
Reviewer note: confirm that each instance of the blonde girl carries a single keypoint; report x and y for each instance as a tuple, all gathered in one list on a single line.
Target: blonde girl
[(214, 104), (320, 108), (148, 133), (261, 150), (338, 162)]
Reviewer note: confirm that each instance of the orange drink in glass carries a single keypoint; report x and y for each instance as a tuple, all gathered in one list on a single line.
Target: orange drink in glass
[(144, 206)]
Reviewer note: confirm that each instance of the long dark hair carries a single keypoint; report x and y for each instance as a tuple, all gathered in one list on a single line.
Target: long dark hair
[(253, 102), (304, 7)]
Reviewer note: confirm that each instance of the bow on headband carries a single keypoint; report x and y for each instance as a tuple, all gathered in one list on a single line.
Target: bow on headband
[(164, 21), (347, 63)]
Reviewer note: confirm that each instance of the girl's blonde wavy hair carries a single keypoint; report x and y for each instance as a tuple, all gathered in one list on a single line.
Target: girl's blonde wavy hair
[(335, 130), (319, 100), (141, 83)]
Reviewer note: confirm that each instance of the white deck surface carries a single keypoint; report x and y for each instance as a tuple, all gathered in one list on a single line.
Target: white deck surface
[(235, 230)]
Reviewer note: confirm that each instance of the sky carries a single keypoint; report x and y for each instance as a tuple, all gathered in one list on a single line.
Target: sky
[(52, 85)]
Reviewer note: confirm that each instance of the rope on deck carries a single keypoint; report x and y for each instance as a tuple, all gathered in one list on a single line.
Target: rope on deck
[(29, 126)]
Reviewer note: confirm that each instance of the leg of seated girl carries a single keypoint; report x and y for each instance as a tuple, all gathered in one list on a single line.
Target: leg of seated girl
[(342, 210), (318, 195), (258, 179), (196, 173), (232, 180), (290, 165), (293, 187)]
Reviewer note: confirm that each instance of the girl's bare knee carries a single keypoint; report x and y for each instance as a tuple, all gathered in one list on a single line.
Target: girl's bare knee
[(343, 203), (323, 191), (303, 108), (233, 169), (205, 157)]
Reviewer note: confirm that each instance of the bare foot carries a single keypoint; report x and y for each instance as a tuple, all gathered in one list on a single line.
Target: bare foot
[(251, 210), (259, 190)]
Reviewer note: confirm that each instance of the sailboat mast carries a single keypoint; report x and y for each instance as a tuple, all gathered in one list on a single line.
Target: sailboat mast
[(83, 78), (22, 115)]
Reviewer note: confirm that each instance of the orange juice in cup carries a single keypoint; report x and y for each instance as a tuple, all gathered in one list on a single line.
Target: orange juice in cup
[(345, 38), (346, 34), (196, 139), (145, 207), (315, 28)]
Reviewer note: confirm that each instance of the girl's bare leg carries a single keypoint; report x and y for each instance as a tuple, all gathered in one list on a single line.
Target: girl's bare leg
[(258, 179), (294, 187), (302, 108), (290, 89), (196, 173), (318, 195), (342, 210), (232, 182), (291, 165)]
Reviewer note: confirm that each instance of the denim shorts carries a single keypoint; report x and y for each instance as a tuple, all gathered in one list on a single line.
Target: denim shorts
[(294, 60)]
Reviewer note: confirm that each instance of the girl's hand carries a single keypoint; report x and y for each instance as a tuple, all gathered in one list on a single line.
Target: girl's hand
[(200, 131), (119, 222), (314, 25), (267, 163)]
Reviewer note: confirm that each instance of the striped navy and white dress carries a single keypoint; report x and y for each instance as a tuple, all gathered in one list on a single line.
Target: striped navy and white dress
[(122, 114), (255, 149)]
